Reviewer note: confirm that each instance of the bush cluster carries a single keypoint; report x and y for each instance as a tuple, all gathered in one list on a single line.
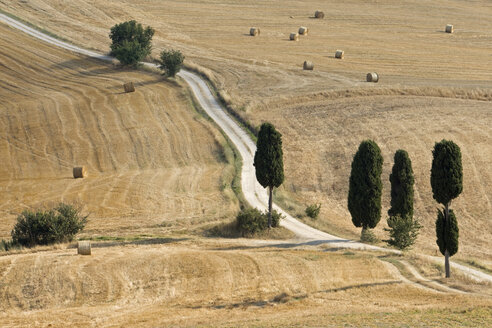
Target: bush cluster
[(313, 210), (252, 220), (59, 224)]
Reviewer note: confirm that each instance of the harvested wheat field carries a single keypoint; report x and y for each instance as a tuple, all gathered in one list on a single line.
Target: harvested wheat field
[(324, 131), (433, 85), (405, 43), (186, 283), (153, 162), (155, 166)]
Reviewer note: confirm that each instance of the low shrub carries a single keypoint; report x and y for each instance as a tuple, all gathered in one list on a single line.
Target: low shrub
[(403, 231), (313, 210), (252, 220), (56, 225), (368, 236)]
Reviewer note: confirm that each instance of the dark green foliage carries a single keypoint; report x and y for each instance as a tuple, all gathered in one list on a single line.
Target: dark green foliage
[(365, 189), (446, 172), (251, 220), (43, 228), (402, 181), (268, 162), (447, 233), (129, 53), (131, 42), (313, 210), (171, 61), (268, 159), (403, 231)]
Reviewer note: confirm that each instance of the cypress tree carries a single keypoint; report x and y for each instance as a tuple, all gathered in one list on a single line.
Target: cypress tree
[(402, 181), (447, 184), (365, 189), (403, 229), (268, 162)]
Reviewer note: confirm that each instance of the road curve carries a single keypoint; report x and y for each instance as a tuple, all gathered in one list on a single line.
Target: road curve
[(253, 192)]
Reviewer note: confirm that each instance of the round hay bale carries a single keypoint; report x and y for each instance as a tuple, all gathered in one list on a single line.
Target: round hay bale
[(84, 247), (254, 31), (294, 36), (372, 77), (319, 14), (129, 87), (308, 65), (339, 54), (449, 28), (303, 30), (80, 172)]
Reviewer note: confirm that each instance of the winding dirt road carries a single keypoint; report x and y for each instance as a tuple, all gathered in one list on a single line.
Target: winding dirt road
[(254, 193)]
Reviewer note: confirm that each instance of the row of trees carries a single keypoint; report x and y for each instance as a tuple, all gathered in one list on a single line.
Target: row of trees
[(131, 43), (365, 190)]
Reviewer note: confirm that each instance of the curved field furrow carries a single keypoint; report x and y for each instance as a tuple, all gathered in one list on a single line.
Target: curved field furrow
[(72, 111)]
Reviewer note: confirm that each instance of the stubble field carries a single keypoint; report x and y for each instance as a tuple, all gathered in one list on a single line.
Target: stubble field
[(433, 86), (154, 163)]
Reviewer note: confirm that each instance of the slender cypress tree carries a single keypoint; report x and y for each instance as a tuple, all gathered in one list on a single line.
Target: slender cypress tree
[(365, 189), (268, 162), (403, 229), (402, 181), (447, 184)]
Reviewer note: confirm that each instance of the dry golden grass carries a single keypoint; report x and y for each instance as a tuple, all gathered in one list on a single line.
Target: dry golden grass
[(166, 283), (324, 134), (154, 163), (433, 85), (405, 42), (420, 66)]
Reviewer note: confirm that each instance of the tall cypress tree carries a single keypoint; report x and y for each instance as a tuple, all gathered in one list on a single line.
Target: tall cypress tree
[(365, 189), (403, 229), (402, 181), (447, 184), (268, 162)]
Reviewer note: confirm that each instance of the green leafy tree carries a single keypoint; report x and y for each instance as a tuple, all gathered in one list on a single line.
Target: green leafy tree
[(402, 181), (171, 61), (447, 184), (131, 42), (268, 162), (365, 188)]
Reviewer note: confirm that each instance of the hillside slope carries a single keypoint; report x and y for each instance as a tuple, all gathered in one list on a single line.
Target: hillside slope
[(153, 161)]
